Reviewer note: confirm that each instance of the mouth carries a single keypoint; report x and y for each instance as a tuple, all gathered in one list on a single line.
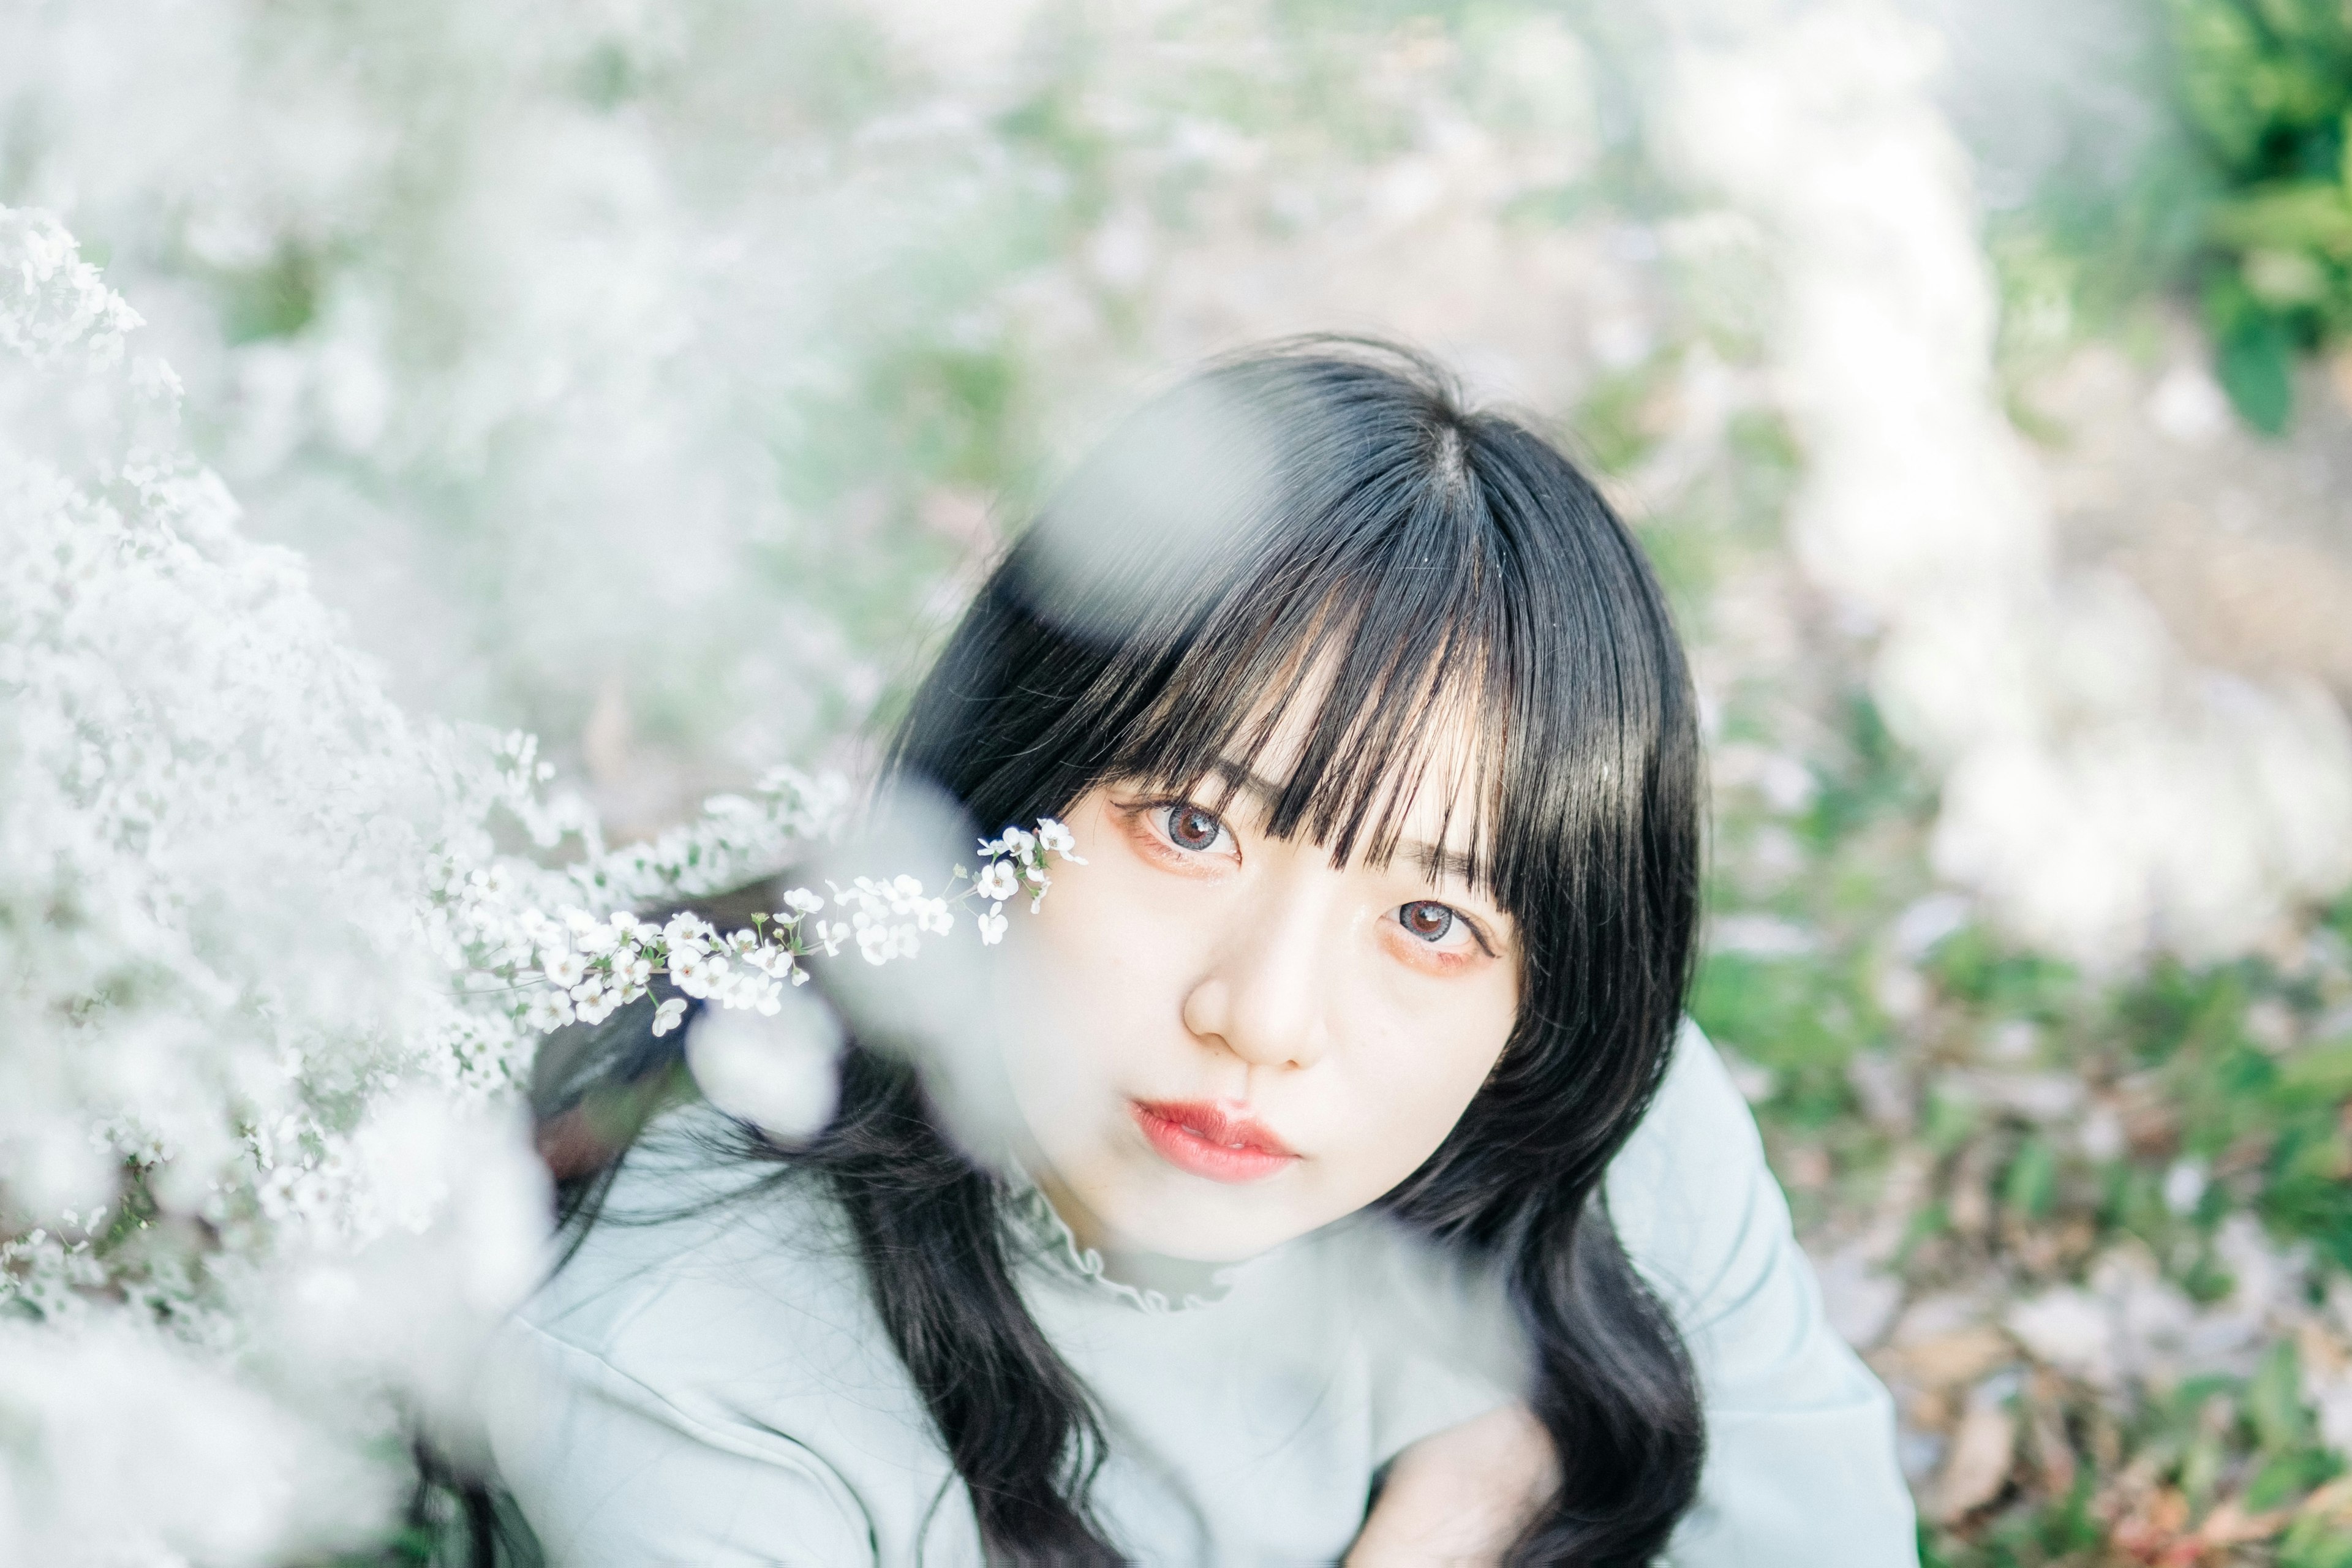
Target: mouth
[(1221, 1142)]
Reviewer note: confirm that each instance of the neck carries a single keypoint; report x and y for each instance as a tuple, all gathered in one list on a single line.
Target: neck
[(1087, 1227), (1123, 1260)]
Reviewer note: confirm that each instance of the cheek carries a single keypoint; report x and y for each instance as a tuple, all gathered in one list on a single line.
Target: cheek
[(1105, 948), (1420, 1060)]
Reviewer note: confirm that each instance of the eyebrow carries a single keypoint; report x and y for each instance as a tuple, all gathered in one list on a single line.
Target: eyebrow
[(1435, 862)]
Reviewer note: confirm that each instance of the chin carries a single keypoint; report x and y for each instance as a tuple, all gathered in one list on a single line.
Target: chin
[(1185, 1227)]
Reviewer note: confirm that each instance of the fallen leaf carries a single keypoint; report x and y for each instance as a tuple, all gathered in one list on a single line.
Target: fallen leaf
[(1983, 1448), (2332, 1501), (2156, 1532), (1947, 1361), (2053, 1455), (2231, 1525)]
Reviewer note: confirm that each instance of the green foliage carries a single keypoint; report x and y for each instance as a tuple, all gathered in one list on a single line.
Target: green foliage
[(2241, 201), (2315, 1542), (2242, 1069), (275, 299), (2273, 1117), (2267, 87)]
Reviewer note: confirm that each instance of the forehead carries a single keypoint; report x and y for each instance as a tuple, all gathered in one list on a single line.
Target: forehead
[(1362, 781)]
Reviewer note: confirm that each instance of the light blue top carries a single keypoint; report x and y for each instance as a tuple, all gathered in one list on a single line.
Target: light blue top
[(717, 1389)]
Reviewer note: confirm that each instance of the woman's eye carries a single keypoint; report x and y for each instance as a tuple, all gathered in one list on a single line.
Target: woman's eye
[(1430, 921), (1192, 828)]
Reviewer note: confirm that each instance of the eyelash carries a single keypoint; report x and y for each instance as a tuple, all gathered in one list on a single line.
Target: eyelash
[(1162, 812)]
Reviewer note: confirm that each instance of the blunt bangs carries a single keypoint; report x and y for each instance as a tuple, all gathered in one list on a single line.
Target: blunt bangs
[(1379, 668)]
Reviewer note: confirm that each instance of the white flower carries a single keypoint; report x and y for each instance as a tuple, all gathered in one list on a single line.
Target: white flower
[(997, 881), (879, 942), (667, 1015), (634, 970), (566, 970), (1018, 841), (547, 1010), (1059, 839), (801, 902), (688, 932), (991, 925), (2184, 1186)]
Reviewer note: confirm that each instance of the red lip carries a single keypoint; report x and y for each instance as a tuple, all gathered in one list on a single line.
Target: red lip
[(1222, 1142)]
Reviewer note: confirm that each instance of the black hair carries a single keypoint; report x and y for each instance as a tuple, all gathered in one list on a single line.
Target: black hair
[(1320, 537)]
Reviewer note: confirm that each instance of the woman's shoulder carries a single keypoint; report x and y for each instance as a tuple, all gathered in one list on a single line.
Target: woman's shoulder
[(699, 1266), (704, 1379), (1698, 1121), (1690, 1194)]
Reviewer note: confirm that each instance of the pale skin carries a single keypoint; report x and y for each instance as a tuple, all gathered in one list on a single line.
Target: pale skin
[(1354, 1010)]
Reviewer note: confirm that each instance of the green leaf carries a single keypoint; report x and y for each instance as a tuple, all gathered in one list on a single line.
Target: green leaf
[(2313, 1542), (2323, 1073), (2031, 1187), (2274, 1400), (2221, 52), (2287, 1476), (2297, 216), (2256, 368)]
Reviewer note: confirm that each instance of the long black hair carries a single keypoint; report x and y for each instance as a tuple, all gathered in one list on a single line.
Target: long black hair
[(1323, 527)]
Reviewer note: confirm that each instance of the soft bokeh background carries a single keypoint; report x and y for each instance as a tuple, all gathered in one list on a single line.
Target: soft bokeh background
[(655, 379)]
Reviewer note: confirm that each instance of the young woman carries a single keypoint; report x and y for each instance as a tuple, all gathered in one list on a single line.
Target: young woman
[(1364, 1195)]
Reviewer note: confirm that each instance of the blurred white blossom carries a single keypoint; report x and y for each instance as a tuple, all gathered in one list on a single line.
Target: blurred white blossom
[(230, 1039), (272, 981), (2103, 795), (628, 374), (774, 1072)]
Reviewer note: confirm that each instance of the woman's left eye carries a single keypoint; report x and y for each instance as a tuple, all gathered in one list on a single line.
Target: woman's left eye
[(1430, 921), (1192, 827)]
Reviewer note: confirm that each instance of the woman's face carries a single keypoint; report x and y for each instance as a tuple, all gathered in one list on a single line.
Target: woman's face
[(1243, 1041)]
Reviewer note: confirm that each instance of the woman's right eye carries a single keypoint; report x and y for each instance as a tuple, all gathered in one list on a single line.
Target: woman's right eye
[(1192, 828)]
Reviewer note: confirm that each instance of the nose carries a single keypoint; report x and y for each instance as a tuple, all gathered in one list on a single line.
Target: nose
[(1262, 994)]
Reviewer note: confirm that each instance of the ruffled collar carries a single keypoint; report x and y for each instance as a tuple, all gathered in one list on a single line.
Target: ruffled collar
[(1146, 1283)]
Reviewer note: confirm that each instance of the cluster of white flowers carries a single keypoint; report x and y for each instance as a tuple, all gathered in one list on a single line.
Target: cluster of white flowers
[(264, 1182), (576, 967), (242, 1108)]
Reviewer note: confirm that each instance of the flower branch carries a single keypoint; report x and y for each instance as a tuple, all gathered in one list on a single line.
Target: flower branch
[(575, 967)]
